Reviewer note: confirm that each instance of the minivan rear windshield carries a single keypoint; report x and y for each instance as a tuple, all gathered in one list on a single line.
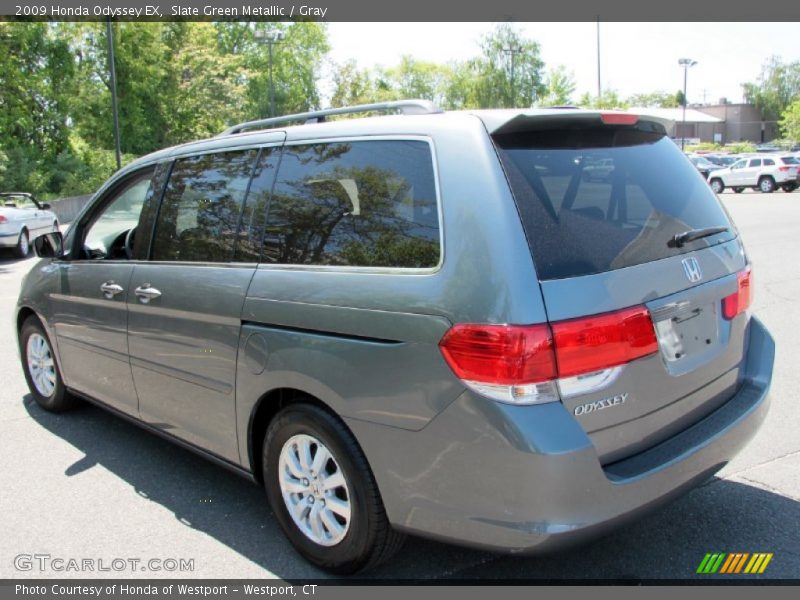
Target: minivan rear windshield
[(599, 198)]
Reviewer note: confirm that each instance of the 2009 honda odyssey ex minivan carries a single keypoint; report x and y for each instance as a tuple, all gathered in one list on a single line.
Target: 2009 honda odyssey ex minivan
[(428, 323)]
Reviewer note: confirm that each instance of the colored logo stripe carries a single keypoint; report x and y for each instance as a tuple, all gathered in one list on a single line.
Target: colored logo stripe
[(734, 562)]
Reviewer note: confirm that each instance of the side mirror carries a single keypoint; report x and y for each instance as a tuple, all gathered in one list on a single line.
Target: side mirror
[(46, 206), (49, 245)]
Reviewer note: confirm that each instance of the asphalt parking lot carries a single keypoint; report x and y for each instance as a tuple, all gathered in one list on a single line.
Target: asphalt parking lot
[(89, 485)]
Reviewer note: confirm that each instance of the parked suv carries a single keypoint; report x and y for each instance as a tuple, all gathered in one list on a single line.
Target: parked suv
[(765, 173), (427, 323)]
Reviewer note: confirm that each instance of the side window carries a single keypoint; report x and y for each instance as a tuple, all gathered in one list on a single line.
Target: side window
[(363, 203), (768, 162), (199, 215), (739, 164), (106, 234), (251, 231), (756, 162)]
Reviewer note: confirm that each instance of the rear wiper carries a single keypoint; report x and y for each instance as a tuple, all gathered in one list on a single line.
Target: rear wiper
[(679, 239)]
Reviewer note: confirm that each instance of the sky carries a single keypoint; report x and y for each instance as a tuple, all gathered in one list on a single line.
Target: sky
[(634, 57)]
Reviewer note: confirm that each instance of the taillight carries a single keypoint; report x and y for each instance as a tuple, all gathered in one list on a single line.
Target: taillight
[(3, 219), (613, 118), (742, 298), (522, 363), (783, 168), (594, 343)]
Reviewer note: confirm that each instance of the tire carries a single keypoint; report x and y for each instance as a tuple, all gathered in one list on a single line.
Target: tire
[(789, 187), (23, 247), (44, 379), (55, 227), (738, 190), (716, 185), (361, 537), (766, 185)]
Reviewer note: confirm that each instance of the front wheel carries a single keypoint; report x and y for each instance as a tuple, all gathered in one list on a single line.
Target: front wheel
[(323, 493), (41, 370), (766, 185), (717, 186)]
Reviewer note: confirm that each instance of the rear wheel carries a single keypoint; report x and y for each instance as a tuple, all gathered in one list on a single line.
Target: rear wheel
[(766, 185), (716, 185), (789, 187), (738, 190), (23, 247), (40, 368), (323, 493)]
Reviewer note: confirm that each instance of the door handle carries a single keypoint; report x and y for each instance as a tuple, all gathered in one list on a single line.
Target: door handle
[(145, 293), (110, 289)]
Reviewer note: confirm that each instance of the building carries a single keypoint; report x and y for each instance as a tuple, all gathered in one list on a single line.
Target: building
[(721, 123)]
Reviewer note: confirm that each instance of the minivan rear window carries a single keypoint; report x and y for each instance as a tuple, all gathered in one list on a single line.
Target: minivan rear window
[(600, 198)]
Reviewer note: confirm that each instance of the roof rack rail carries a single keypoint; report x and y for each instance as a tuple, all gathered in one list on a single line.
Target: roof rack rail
[(405, 107)]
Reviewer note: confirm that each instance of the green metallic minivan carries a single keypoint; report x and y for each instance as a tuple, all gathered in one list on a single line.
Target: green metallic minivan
[(507, 329)]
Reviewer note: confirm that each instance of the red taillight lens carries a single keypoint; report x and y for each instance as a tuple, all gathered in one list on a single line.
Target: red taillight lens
[(601, 341), (3, 219), (500, 354), (619, 118), (783, 168), (740, 300), (513, 354)]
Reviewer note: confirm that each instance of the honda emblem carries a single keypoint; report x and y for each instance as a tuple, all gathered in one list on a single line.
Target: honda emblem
[(692, 269)]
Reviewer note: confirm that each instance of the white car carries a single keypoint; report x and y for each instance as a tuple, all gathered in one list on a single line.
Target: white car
[(765, 173), (22, 218)]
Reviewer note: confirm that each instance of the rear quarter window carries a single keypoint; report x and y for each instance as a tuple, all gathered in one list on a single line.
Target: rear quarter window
[(355, 203), (604, 198)]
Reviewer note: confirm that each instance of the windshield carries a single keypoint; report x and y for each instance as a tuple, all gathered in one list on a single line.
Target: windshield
[(604, 198)]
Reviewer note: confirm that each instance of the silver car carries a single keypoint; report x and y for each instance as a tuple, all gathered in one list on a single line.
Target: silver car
[(23, 218), (426, 323)]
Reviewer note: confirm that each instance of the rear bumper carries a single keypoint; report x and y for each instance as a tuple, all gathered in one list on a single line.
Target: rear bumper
[(527, 479), (8, 239)]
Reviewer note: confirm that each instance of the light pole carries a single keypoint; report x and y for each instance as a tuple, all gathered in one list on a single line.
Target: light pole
[(513, 51), (270, 37), (112, 72), (685, 63)]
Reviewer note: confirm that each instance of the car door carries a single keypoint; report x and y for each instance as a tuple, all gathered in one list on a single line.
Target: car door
[(89, 307), (186, 302), (750, 173)]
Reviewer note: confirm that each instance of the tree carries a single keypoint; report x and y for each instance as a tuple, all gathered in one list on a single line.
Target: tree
[(790, 121), (352, 85), (776, 87), (658, 99), (559, 87), (508, 74), (609, 100)]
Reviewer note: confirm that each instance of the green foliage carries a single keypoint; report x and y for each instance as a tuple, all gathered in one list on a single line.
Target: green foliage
[(560, 87), (740, 147), (790, 121), (776, 88), (609, 100), (656, 99)]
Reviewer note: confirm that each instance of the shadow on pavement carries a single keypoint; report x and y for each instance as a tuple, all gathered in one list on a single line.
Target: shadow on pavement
[(720, 516)]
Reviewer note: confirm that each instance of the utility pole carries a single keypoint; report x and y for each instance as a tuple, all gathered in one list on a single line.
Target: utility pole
[(599, 90), (685, 63), (113, 81), (513, 51)]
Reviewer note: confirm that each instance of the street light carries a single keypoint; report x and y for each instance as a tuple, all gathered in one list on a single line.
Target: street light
[(685, 63), (270, 37)]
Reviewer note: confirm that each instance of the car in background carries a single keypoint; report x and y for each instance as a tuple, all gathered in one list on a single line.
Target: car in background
[(765, 173), (723, 160), (23, 218), (705, 166)]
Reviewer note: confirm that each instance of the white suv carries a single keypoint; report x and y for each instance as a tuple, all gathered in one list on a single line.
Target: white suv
[(765, 173)]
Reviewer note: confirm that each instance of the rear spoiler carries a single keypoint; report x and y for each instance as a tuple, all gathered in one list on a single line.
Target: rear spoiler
[(504, 122)]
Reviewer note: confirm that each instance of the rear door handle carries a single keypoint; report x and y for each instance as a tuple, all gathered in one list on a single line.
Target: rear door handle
[(111, 289), (145, 293)]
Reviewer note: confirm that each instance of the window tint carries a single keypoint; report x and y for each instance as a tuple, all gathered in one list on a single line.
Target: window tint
[(739, 165), (789, 160), (365, 203), (756, 162), (199, 215), (599, 199), (768, 162)]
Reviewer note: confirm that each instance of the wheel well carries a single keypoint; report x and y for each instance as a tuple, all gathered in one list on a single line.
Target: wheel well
[(266, 409), (766, 177), (23, 314)]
